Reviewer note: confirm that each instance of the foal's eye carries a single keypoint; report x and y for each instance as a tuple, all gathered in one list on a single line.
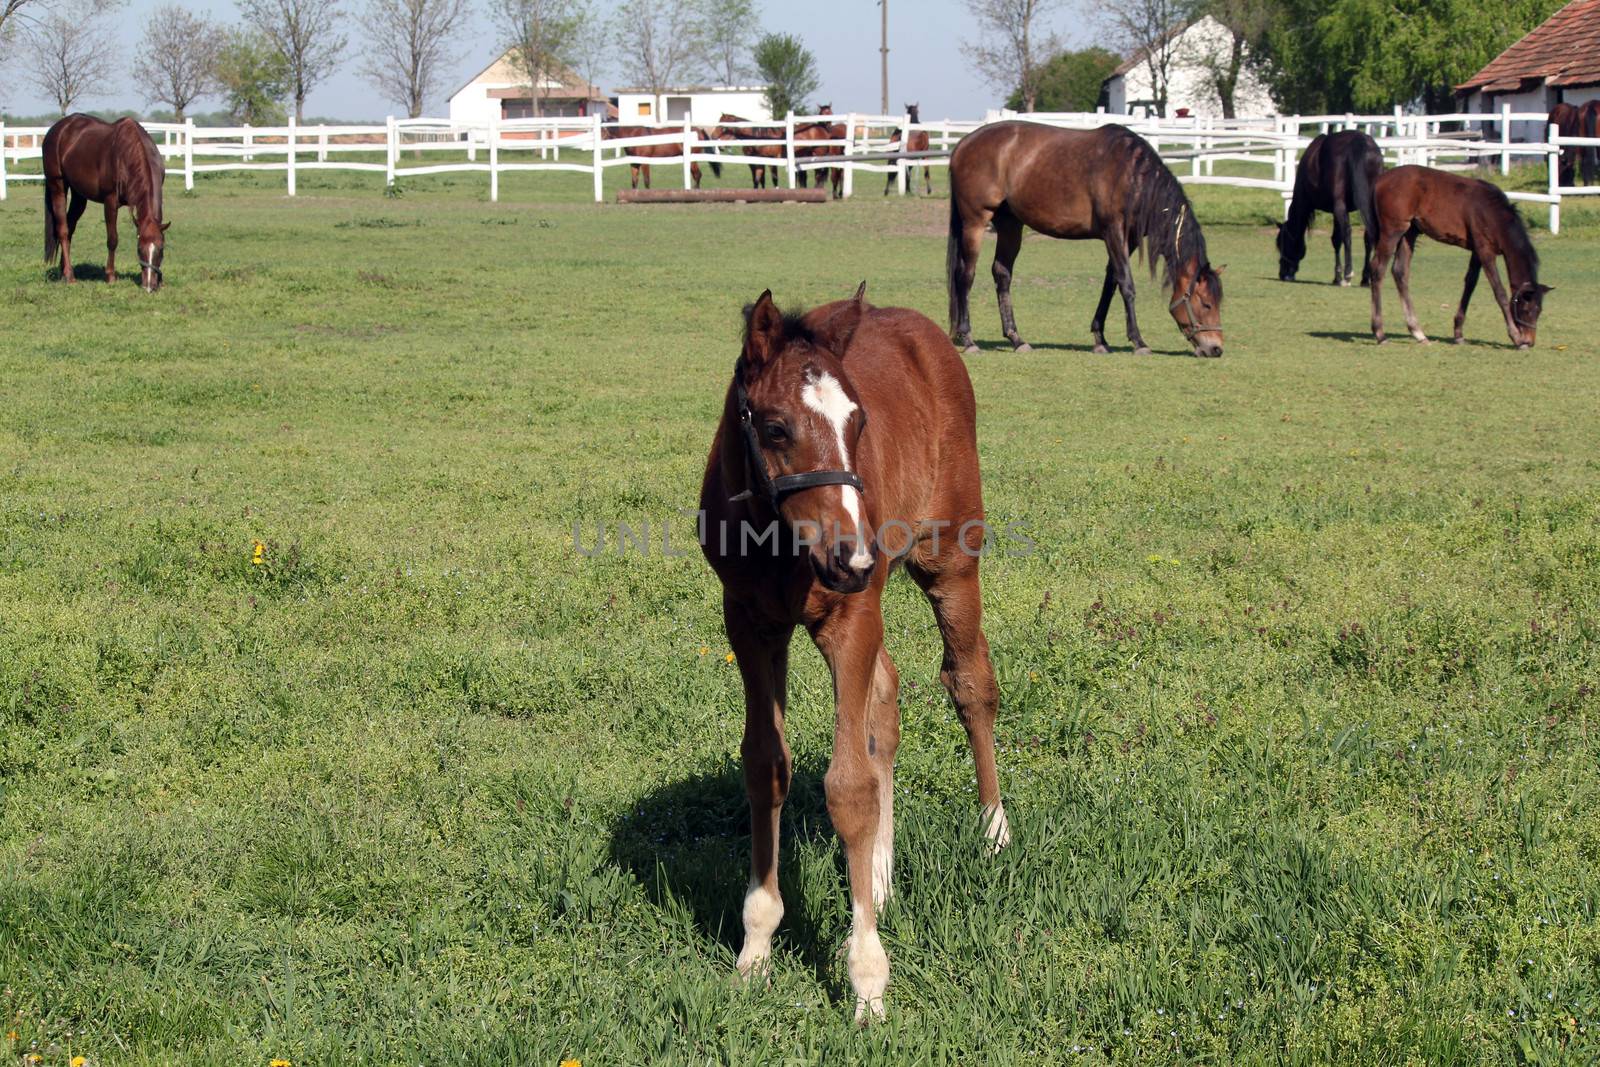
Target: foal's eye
[(776, 433)]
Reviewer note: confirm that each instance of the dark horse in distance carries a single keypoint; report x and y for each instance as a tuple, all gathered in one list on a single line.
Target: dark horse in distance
[(1467, 213), (805, 512), (1568, 121), (111, 163), (1335, 174), (1106, 183)]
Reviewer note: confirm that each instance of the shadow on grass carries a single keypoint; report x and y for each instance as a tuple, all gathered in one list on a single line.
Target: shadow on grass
[(1003, 347), (688, 844)]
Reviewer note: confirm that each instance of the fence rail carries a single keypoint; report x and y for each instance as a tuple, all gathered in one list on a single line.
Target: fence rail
[(858, 144)]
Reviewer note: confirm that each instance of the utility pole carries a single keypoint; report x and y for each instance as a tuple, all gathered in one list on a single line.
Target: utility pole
[(883, 51)]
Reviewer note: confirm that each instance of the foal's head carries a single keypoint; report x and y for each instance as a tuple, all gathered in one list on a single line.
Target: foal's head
[(807, 419), (1291, 250), (1197, 305), (1526, 304), (152, 247)]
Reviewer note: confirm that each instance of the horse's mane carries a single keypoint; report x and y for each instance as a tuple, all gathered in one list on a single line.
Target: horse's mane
[(141, 185), (1159, 215)]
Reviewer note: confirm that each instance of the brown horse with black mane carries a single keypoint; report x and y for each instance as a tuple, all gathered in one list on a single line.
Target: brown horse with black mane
[(667, 150), (758, 171), (1467, 213), (804, 512), (111, 163), (1106, 183), (912, 141)]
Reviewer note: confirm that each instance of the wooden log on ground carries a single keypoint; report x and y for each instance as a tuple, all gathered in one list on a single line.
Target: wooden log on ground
[(722, 196)]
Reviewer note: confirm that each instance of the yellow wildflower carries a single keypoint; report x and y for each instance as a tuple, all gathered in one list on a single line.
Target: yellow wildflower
[(704, 649), (571, 1063), (728, 658), (258, 555), (79, 1061), (280, 1062), (11, 1035), (1033, 676)]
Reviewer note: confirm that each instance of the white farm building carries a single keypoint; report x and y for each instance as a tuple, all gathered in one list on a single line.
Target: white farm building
[(501, 91), (1190, 88), (702, 105)]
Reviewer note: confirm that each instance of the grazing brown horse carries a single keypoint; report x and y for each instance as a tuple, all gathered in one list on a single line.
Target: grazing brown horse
[(821, 131), (758, 171), (1335, 174), (912, 141), (1568, 121), (1106, 183), (112, 163), (804, 513), (649, 151), (1467, 213), (1589, 123)]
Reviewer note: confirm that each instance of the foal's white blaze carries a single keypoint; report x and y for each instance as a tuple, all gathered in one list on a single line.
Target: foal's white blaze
[(762, 912), (825, 396)]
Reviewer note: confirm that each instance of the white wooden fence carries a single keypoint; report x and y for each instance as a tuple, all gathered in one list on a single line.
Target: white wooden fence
[(869, 145)]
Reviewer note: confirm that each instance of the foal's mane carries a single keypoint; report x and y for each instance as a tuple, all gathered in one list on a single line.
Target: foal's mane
[(1515, 233), (1159, 215)]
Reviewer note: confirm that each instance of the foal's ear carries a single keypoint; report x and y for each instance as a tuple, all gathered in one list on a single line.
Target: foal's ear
[(1218, 270), (861, 292), (165, 226), (763, 330), (1545, 288)]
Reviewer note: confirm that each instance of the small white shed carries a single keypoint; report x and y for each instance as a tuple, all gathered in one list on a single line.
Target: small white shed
[(702, 105)]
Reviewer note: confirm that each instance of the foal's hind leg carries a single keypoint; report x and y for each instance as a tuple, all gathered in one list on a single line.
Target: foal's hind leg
[(764, 667), (1402, 282), (1466, 295), (968, 674), (1008, 233), (1381, 254)]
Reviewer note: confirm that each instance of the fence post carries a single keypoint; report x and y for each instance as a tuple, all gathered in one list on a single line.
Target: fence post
[(322, 143), (688, 159), (389, 151), (788, 146), (188, 153), (849, 187), (599, 162), (494, 158), (249, 139), (1555, 179), (1505, 139), (288, 156), (2, 159)]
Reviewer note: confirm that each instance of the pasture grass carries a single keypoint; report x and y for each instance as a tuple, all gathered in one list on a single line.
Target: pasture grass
[(1298, 720)]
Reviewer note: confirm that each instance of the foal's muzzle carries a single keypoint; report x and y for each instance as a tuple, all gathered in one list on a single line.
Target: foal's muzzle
[(835, 570)]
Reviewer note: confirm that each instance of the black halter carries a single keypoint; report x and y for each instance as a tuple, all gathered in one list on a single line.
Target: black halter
[(1191, 329), (771, 489)]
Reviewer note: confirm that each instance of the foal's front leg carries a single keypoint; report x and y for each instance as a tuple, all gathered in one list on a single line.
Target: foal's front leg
[(764, 667), (1504, 299), (852, 642)]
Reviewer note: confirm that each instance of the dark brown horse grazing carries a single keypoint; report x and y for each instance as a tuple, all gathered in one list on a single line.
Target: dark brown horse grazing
[(1335, 174), (112, 163), (1568, 121), (1589, 123), (758, 171), (649, 151), (1467, 213), (1106, 183), (912, 141), (804, 512), (821, 131)]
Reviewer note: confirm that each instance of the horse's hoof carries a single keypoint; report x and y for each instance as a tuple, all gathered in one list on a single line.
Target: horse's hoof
[(1381, 339), (1343, 283), (970, 349), (1523, 347), (1022, 346), (1458, 340), (1101, 350), (1421, 339), (1142, 350)]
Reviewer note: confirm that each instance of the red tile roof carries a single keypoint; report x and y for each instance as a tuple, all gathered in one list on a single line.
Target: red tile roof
[(1564, 52)]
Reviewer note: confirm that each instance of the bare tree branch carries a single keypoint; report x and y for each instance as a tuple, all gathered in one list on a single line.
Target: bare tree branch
[(306, 33), (730, 31), (1151, 31), (1012, 45), (69, 56), (660, 42), (177, 60), (408, 44), (539, 34)]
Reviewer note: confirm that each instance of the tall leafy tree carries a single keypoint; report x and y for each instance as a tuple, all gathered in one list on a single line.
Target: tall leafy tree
[(255, 79), (789, 70), (1069, 81), (306, 33)]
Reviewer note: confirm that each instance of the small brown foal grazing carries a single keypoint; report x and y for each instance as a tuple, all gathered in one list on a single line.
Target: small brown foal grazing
[(805, 511), (112, 163), (1464, 212)]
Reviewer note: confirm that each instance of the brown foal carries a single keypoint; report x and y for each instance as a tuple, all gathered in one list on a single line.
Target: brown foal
[(805, 512)]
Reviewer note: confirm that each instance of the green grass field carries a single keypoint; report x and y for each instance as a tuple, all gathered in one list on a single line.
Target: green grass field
[(1298, 718)]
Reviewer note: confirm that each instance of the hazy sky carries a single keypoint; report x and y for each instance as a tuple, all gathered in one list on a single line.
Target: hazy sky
[(925, 62)]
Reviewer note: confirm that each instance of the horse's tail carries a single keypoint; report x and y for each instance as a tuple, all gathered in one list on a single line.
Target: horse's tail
[(1364, 171), (952, 259), (51, 244)]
